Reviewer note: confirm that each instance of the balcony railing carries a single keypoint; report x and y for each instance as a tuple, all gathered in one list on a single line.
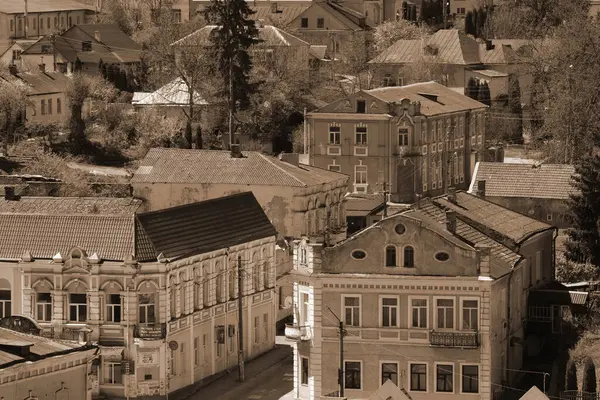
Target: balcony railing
[(150, 332), (297, 333), (578, 395), (454, 339), (81, 335)]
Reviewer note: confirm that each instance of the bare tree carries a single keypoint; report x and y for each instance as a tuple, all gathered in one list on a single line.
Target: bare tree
[(389, 32)]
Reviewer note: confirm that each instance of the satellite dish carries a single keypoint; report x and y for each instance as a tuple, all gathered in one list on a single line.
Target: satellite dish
[(288, 302)]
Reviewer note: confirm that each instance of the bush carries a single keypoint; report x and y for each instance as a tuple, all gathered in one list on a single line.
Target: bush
[(40, 129)]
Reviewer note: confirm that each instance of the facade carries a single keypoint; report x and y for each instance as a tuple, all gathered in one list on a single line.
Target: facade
[(415, 139), (34, 367), (433, 299), (47, 96), (157, 291), (540, 191), (12, 55)]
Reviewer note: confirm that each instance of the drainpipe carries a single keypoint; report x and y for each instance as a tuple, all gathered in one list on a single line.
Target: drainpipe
[(510, 275)]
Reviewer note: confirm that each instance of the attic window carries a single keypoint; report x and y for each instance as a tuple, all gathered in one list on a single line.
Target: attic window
[(86, 46), (442, 256), (429, 96), (361, 106), (400, 229)]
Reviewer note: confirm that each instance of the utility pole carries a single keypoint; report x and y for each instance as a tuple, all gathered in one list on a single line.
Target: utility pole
[(341, 369), (26, 20), (54, 51), (240, 322)]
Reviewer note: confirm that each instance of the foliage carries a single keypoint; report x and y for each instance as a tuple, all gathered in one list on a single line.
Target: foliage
[(472, 89), (154, 130), (389, 32), (583, 243), (571, 272), (483, 94), (515, 110), (13, 101)]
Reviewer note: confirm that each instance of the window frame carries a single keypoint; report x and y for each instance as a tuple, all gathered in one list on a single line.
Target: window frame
[(453, 374), (147, 306), (320, 23), (403, 133), (410, 388), (361, 131), (343, 304), (436, 314), (45, 306), (462, 375), (304, 382), (361, 102), (360, 383), (387, 248), (397, 306), (410, 312), (337, 133), (304, 22), (77, 308), (112, 307), (365, 172), (109, 367), (404, 256), (381, 363), (461, 308)]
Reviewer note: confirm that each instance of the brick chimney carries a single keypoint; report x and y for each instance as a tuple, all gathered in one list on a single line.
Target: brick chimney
[(42, 67), (290, 158), (481, 188), (452, 194), (451, 221), (9, 193), (236, 152), (12, 68), (484, 259)]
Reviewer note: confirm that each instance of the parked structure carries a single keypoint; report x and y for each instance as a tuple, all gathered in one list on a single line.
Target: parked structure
[(157, 291), (433, 299), (415, 139)]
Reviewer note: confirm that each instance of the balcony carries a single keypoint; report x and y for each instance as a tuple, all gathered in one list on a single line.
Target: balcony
[(150, 332), (297, 333), (454, 339), (81, 335)]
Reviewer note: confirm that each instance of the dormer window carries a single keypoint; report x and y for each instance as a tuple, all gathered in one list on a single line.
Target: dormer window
[(86, 46), (361, 106)]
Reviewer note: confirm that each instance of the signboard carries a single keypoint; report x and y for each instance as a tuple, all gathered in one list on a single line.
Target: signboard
[(150, 332)]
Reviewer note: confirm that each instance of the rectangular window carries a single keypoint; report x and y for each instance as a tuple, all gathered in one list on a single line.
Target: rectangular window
[(389, 311), (48, 22), (361, 106), (470, 314), (58, 106), (352, 371), (360, 174), (389, 372), (70, 21), (402, 137), (5, 303), (182, 356), (44, 307), (445, 313), (113, 374), (305, 307), (361, 136), (34, 23), (351, 310), (418, 377), (86, 46), (43, 103), (335, 168), (419, 313), (16, 55), (320, 23), (304, 23), (470, 379), (266, 327), (256, 329), (334, 135), (304, 376), (196, 351), (113, 308), (146, 308), (444, 378), (77, 307), (41, 23)]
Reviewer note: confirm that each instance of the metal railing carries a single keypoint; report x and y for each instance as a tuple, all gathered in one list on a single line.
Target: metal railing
[(297, 333), (454, 339), (578, 395)]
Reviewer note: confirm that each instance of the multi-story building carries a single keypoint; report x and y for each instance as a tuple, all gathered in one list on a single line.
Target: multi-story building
[(157, 291), (414, 139), (433, 299)]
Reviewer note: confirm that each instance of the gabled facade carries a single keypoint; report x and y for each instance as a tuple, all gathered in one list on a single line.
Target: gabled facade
[(433, 299), (416, 139)]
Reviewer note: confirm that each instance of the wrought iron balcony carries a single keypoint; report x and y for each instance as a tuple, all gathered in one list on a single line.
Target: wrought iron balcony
[(297, 333), (150, 332), (454, 339)]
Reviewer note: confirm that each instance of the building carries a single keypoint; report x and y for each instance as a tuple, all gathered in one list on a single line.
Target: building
[(540, 190), (172, 99), (433, 299), (415, 139), (12, 55), (40, 18), (157, 291), (34, 367)]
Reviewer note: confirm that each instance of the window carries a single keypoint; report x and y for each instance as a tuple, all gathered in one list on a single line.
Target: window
[(352, 375), (232, 279), (34, 23), (5, 303), (419, 313), (335, 168), (49, 106), (304, 23), (176, 16), (400, 229), (58, 106), (172, 362), (146, 308), (304, 376), (20, 23), (442, 256), (86, 45), (16, 55), (48, 22), (256, 329), (361, 136), (305, 307), (182, 356), (389, 372), (418, 377), (266, 327), (196, 351), (548, 217), (44, 307), (12, 25), (43, 103), (445, 313), (351, 310), (62, 21), (334, 135), (220, 289), (360, 174), (470, 379), (409, 257), (320, 23), (390, 256), (77, 307), (470, 312), (113, 374), (389, 311), (358, 255), (402, 137), (444, 378), (361, 106), (113, 308)]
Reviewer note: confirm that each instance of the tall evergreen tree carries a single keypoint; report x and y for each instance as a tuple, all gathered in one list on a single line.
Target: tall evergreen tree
[(583, 243), (231, 41), (483, 95), (469, 27)]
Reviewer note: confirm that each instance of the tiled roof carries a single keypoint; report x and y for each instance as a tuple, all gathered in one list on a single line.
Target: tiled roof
[(71, 205), (447, 99), (541, 181), (119, 44), (486, 215), (168, 165), (174, 93), (285, 14), (206, 226), (37, 6), (403, 51), (500, 54), (268, 34), (43, 83)]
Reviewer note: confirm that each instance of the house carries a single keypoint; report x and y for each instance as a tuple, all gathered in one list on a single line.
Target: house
[(409, 140), (34, 367), (157, 291), (540, 190), (43, 18), (12, 55), (172, 99), (432, 299), (47, 96)]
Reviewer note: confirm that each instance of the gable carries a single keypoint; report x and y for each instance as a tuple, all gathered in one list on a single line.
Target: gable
[(348, 105), (332, 20)]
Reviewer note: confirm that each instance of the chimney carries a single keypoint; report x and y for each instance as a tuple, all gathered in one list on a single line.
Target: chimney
[(290, 158), (9, 193), (12, 68), (417, 201), (42, 67), (452, 194), (484, 259), (97, 36), (481, 188), (236, 152), (451, 221), (488, 45)]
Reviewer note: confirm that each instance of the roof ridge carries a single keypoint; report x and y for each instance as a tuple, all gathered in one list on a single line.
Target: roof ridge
[(282, 169), (279, 35)]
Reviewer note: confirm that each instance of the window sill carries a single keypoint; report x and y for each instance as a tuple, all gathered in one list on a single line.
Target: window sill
[(445, 393)]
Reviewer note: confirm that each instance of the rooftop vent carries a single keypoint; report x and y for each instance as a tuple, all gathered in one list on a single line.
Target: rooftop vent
[(429, 96)]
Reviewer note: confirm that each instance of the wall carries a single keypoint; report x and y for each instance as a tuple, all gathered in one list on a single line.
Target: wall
[(34, 110), (9, 271), (45, 23), (540, 209)]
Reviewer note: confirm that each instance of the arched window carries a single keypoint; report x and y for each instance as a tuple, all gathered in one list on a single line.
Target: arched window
[(205, 286), (5, 298), (112, 301), (77, 302), (182, 294), (219, 282), (255, 272), (266, 268), (43, 300), (409, 257), (232, 280), (197, 289), (390, 256), (173, 296)]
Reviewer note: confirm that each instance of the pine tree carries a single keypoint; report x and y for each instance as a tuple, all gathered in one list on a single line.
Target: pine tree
[(483, 95), (188, 135), (231, 41), (469, 27), (515, 109), (583, 243)]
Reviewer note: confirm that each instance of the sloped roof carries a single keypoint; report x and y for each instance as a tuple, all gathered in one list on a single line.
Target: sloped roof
[(318, 51), (285, 14), (389, 391), (541, 181), (48, 82), (403, 51), (268, 34), (534, 394), (71, 205), (206, 226), (447, 99), (111, 36), (500, 54), (37, 6), (168, 165), (174, 93)]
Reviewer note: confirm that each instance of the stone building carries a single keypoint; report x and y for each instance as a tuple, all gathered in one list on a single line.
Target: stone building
[(433, 299), (157, 291)]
